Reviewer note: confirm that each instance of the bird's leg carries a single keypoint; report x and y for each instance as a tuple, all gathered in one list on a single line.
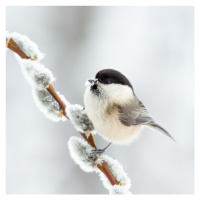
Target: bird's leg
[(100, 151)]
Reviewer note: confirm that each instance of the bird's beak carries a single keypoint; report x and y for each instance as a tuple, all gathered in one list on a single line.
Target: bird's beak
[(91, 82)]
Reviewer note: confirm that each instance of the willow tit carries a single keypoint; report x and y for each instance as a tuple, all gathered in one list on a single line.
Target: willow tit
[(114, 109)]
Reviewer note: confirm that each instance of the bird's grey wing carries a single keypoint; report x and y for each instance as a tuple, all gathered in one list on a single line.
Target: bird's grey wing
[(135, 115), (132, 114)]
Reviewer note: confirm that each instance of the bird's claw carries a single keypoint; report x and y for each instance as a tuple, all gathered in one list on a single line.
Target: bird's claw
[(98, 151)]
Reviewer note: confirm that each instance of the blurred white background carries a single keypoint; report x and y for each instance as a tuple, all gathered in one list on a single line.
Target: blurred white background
[(153, 47)]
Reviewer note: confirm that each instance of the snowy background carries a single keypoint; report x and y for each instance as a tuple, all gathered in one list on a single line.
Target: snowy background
[(153, 47)]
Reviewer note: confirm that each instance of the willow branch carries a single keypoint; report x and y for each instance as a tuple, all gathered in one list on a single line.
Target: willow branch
[(11, 44)]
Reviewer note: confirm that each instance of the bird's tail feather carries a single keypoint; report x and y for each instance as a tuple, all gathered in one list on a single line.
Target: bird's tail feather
[(158, 128)]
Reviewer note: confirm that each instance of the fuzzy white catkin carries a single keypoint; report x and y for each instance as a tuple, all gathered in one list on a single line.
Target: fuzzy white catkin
[(47, 104), (26, 45), (36, 74), (117, 171), (81, 153), (79, 118), (117, 189)]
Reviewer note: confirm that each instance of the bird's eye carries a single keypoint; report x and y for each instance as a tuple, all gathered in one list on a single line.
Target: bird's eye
[(107, 82)]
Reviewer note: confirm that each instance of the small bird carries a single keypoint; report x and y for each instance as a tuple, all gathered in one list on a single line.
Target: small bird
[(114, 109)]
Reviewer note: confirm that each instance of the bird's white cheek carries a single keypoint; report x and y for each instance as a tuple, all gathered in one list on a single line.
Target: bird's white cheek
[(117, 93), (93, 105)]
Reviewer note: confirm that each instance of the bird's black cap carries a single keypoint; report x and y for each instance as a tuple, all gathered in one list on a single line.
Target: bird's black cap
[(108, 76)]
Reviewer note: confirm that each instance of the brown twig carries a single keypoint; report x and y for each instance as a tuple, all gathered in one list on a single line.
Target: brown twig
[(89, 139), (58, 99), (11, 44), (105, 169)]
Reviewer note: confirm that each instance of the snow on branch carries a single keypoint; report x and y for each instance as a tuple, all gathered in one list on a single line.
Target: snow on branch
[(79, 118), (25, 44), (40, 78), (37, 74), (81, 152), (48, 105), (118, 173)]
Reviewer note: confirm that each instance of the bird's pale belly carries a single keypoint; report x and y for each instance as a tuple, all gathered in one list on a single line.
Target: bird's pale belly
[(111, 128), (114, 131)]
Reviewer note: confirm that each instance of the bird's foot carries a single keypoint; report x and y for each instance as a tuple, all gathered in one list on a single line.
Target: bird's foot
[(100, 151)]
